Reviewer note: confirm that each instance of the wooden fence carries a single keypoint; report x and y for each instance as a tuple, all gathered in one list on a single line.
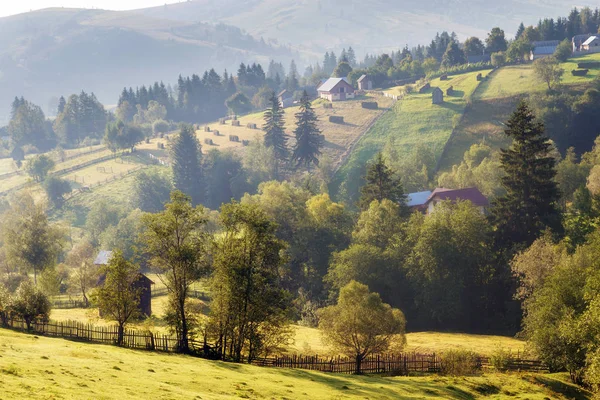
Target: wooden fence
[(67, 304), (398, 364), (196, 294), (134, 339)]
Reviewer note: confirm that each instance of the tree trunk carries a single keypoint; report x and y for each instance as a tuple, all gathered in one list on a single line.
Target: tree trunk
[(184, 345), (120, 334), (358, 364)]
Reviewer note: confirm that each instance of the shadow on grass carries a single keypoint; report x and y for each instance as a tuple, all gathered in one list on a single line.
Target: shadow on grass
[(568, 390), (331, 145), (374, 387), (458, 93)]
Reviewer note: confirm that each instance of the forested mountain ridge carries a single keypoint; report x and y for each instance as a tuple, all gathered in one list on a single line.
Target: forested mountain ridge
[(367, 25), (51, 52)]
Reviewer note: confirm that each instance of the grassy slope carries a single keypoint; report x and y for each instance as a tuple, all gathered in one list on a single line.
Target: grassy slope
[(338, 137), (413, 120), (44, 368), (495, 100)]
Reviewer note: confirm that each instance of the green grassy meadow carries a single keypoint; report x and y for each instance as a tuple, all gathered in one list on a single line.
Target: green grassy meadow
[(413, 120), (33, 367)]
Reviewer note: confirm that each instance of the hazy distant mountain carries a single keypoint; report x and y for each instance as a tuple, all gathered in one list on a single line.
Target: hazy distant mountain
[(55, 52), (367, 25)]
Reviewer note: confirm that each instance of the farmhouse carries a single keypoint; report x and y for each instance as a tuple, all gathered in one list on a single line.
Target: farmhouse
[(578, 40), (543, 49), (592, 45), (142, 282), (416, 201), (335, 89), (469, 194), (365, 83), (285, 98)]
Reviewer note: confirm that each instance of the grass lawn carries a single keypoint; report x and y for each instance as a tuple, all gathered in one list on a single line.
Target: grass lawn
[(413, 120), (308, 341), (45, 368)]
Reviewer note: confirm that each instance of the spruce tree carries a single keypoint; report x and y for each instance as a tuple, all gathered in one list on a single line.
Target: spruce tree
[(382, 183), (274, 129), (186, 155), (530, 204), (308, 137), (61, 105)]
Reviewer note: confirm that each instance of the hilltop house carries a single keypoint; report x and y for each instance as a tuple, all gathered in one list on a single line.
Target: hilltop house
[(285, 98), (591, 45), (578, 40), (142, 282), (543, 49), (427, 201), (335, 89), (365, 83)]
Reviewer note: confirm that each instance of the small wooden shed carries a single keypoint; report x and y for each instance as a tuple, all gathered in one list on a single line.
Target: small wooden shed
[(437, 96), (365, 83)]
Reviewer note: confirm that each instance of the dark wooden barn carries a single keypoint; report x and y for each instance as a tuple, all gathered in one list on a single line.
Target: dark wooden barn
[(141, 282)]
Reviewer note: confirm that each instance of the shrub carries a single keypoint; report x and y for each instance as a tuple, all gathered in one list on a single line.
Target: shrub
[(501, 359), (160, 126), (30, 304), (459, 363)]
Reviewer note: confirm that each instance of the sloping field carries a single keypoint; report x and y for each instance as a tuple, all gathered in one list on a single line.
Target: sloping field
[(496, 99), (414, 120), (35, 367), (338, 137)]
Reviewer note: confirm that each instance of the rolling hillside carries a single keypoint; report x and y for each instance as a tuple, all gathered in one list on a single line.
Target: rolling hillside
[(54, 52), (40, 368), (367, 25)]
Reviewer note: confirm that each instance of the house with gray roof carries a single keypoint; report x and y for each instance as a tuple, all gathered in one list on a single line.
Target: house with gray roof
[(336, 89), (591, 45), (103, 257)]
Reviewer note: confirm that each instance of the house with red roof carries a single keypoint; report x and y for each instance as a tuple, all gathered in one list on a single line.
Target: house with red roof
[(468, 194)]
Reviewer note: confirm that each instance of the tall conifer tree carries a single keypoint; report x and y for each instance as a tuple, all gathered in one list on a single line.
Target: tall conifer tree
[(186, 155), (530, 204), (308, 137), (381, 183), (274, 129)]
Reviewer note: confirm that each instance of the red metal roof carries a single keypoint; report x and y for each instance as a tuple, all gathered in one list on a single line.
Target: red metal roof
[(471, 194)]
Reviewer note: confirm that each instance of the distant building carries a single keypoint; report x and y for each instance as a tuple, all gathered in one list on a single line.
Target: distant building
[(543, 49), (286, 99), (437, 96), (578, 40), (592, 45), (142, 282), (469, 194), (416, 201), (336, 89), (365, 83)]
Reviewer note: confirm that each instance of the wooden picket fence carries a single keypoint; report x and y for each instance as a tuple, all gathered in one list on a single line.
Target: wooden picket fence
[(394, 364), (134, 339), (196, 294), (397, 364)]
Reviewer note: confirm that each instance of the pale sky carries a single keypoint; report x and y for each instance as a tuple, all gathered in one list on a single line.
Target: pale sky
[(10, 7)]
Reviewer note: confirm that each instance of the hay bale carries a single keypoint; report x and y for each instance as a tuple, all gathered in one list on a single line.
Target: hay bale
[(328, 106), (336, 119), (216, 133), (580, 72), (208, 142), (444, 77), (250, 125), (207, 129), (235, 122), (245, 142), (588, 64), (370, 105), (450, 91), (479, 77), (222, 121), (425, 88), (234, 138)]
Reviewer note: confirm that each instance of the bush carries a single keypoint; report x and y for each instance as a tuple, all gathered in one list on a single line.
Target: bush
[(160, 126), (30, 304), (459, 363), (501, 359)]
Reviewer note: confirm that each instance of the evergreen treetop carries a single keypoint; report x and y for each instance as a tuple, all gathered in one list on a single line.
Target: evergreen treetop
[(309, 139), (381, 183), (274, 129)]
